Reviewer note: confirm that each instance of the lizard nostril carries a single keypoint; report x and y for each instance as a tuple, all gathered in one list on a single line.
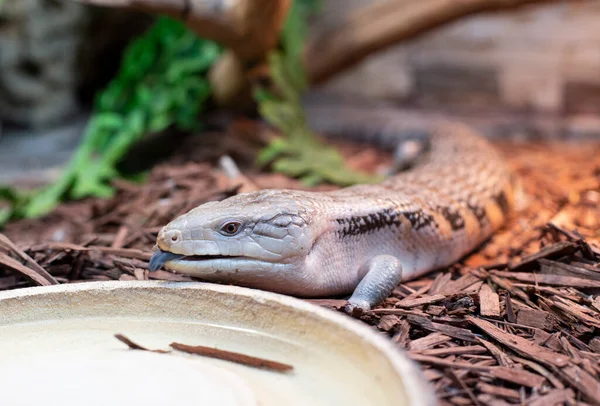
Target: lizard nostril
[(169, 238)]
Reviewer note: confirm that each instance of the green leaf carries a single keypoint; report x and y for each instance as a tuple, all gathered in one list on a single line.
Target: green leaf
[(300, 153), (159, 122), (144, 96), (272, 151), (5, 213), (10, 194), (262, 95), (108, 121), (44, 201)]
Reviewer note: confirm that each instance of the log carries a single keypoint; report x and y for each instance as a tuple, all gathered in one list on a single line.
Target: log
[(250, 28), (380, 25)]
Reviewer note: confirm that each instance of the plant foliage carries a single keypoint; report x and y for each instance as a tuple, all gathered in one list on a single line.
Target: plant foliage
[(162, 82), (300, 153)]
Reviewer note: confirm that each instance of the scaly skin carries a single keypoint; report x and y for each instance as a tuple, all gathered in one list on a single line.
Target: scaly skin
[(362, 239)]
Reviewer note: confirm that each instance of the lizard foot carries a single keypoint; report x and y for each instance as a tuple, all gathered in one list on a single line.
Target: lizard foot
[(384, 273)]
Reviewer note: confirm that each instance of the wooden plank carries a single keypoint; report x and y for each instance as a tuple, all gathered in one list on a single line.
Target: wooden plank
[(576, 311), (441, 352), (16, 266), (425, 300), (583, 381), (520, 345), (594, 344), (458, 285), (554, 398), (489, 302), (552, 251), (29, 262), (554, 280), (388, 322), (558, 268), (501, 357), (402, 335), (535, 318), (430, 340), (540, 370), (499, 391), (456, 332), (490, 400), (518, 376), (426, 359)]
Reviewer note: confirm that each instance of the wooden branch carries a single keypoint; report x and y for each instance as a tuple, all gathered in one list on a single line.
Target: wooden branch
[(250, 28), (382, 24), (211, 19), (259, 23)]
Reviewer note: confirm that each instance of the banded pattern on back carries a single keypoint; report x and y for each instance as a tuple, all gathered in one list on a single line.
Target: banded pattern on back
[(442, 208)]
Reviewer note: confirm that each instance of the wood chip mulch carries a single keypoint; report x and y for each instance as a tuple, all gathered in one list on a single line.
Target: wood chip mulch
[(517, 322)]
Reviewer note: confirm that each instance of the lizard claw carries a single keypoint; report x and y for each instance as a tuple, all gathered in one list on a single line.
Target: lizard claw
[(383, 275), (356, 310)]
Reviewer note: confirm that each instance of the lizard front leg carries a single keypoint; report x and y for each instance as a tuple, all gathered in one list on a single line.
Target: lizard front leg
[(383, 274)]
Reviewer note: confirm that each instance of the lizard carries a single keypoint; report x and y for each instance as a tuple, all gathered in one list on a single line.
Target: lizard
[(362, 240)]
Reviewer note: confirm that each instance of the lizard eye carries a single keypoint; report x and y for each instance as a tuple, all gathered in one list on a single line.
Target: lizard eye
[(231, 228)]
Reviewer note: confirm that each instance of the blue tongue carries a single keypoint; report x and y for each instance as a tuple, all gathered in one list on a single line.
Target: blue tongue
[(160, 257)]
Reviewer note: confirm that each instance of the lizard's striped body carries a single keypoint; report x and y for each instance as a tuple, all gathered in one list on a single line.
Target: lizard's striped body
[(318, 244)]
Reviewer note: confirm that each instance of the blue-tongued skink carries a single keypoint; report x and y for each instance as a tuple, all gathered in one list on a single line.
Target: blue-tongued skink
[(361, 240)]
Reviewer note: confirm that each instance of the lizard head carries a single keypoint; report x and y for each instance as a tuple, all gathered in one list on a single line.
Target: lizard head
[(244, 238)]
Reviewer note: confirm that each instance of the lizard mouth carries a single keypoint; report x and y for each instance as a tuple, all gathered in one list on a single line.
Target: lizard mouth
[(160, 257)]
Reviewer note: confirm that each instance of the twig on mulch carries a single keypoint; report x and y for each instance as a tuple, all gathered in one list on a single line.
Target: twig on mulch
[(16, 260)]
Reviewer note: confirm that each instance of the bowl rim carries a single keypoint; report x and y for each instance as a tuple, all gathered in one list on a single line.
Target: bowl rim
[(418, 390)]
